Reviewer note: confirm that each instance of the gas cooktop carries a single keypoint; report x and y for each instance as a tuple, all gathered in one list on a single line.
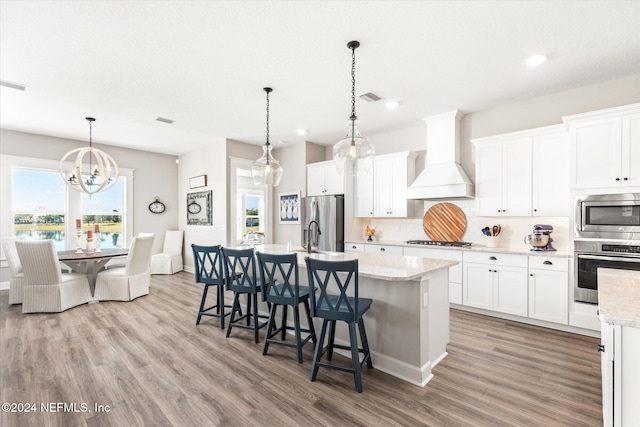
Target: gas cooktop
[(439, 243)]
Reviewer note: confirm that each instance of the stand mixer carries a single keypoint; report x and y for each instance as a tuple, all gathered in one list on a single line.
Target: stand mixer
[(541, 238)]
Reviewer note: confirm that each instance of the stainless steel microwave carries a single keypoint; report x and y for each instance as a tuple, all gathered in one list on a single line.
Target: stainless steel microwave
[(608, 216)]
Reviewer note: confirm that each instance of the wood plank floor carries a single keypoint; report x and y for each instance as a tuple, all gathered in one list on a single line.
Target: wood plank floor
[(150, 363)]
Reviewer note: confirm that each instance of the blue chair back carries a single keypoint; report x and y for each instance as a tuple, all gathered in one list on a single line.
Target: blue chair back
[(208, 264), (240, 270), (332, 306), (279, 276)]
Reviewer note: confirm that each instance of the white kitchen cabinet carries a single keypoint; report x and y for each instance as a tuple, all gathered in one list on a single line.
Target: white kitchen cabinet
[(605, 148), (392, 174), (549, 289), (353, 247), (382, 249), (503, 177), (363, 195), (324, 179), (455, 271), (523, 173), (550, 172), (620, 348), (495, 282)]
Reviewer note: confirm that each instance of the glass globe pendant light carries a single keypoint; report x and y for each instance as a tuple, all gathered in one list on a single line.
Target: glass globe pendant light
[(354, 154), (267, 171), (100, 170)]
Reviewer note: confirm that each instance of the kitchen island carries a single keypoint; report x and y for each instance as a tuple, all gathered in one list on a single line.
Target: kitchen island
[(408, 323)]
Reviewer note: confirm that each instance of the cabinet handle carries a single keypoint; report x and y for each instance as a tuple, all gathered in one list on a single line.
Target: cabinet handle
[(601, 348), (382, 249), (626, 179), (353, 247), (617, 179), (490, 270), (493, 258), (547, 263), (535, 210), (531, 274)]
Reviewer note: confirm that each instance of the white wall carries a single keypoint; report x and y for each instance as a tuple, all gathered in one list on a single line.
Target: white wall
[(292, 158)]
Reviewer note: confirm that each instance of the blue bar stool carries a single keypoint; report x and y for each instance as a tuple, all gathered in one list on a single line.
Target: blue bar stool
[(241, 278), (281, 289), (208, 266), (331, 308)]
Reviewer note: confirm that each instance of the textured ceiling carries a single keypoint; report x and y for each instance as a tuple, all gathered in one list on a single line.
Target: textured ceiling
[(204, 64)]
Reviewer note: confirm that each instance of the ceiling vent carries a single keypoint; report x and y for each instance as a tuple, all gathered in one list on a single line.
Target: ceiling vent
[(370, 97), (164, 120)]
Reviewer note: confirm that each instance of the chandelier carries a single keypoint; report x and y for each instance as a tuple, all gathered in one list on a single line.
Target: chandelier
[(99, 172), (354, 153), (266, 171)]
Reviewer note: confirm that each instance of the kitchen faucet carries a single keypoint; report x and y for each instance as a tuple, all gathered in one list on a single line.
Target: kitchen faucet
[(309, 235)]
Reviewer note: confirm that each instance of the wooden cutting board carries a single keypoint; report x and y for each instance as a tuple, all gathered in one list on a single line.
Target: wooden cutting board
[(445, 222)]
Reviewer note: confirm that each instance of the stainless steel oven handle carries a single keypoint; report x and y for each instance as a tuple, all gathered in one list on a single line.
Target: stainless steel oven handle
[(609, 258)]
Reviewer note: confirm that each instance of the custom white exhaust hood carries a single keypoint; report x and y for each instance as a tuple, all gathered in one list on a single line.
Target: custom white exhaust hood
[(443, 176)]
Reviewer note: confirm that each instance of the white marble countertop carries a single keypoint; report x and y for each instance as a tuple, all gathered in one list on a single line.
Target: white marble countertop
[(619, 296), (474, 247), (377, 266)]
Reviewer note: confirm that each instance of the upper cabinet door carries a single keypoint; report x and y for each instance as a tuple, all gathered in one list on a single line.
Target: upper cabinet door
[(516, 177), (315, 180), (596, 149), (382, 185), (489, 179), (334, 182), (551, 175), (631, 149), (363, 195)]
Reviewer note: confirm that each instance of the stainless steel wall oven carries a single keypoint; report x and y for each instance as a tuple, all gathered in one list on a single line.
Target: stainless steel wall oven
[(593, 254)]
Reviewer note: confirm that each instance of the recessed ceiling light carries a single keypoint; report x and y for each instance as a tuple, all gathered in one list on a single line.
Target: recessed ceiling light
[(392, 105), (302, 131), (17, 86), (164, 120), (535, 60)]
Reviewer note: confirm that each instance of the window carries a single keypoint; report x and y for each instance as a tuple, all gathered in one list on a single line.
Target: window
[(105, 210), (39, 208), (251, 213)]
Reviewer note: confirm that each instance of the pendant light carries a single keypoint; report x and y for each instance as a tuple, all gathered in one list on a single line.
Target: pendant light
[(98, 173), (266, 170), (353, 154)]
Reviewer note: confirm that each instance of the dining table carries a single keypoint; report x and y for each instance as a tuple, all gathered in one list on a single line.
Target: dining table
[(90, 263)]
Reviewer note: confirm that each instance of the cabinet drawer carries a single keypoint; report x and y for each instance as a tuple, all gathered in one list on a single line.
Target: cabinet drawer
[(381, 249), (353, 247), (549, 263), (495, 258)]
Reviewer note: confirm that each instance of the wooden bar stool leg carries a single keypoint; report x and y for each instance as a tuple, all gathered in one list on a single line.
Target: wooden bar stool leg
[(256, 323), (296, 326), (285, 309), (355, 358), (270, 328), (332, 337), (365, 343), (234, 310), (318, 353), (312, 329), (202, 302), (221, 305)]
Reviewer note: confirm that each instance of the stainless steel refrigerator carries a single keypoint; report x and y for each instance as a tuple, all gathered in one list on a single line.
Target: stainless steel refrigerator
[(328, 211)]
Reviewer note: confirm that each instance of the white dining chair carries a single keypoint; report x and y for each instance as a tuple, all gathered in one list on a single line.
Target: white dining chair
[(170, 260), (16, 281), (131, 281), (46, 289)]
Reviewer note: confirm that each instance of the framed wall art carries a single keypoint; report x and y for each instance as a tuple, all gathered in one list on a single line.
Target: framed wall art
[(198, 181), (289, 209), (199, 210)]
